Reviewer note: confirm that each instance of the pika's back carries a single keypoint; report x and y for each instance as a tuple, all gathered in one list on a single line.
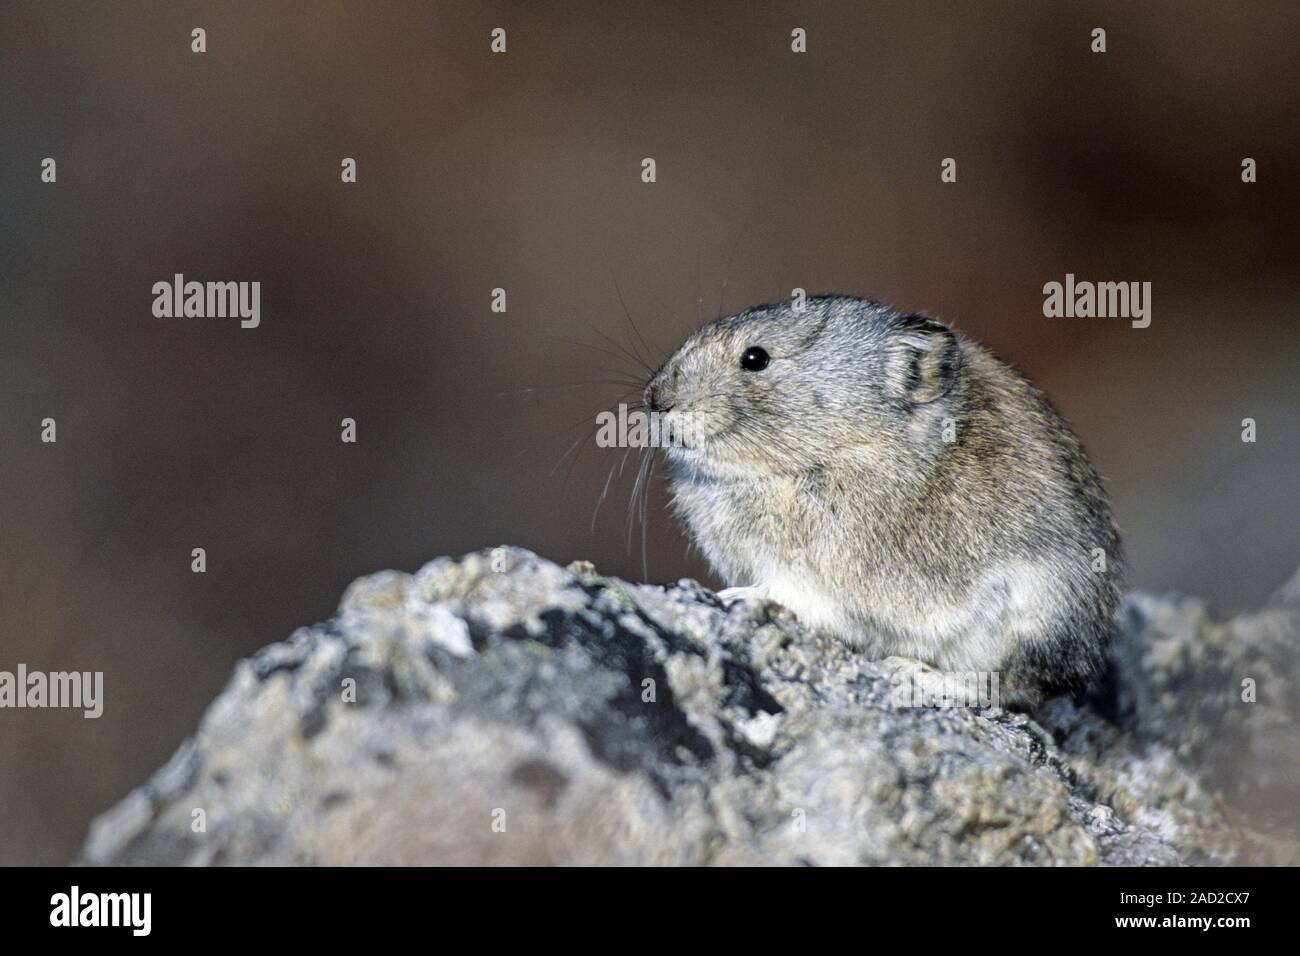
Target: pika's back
[(1012, 454)]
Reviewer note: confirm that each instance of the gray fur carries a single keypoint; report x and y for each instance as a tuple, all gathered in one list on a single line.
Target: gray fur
[(825, 482)]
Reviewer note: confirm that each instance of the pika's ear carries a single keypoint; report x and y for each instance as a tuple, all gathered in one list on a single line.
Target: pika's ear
[(922, 360)]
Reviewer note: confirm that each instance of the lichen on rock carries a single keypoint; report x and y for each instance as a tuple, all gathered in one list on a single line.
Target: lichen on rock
[(499, 708)]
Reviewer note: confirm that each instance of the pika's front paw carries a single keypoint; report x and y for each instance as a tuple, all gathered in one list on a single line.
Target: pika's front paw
[(729, 596), (910, 664)]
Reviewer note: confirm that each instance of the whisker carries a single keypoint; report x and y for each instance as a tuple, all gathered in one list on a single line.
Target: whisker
[(627, 353), (633, 406), (645, 501), (568, 451), (591, 417), (626, 384), (699, 294), (628, 315), (731, 257), (603, 492), (565, 454), (621, 356), (631, 501)]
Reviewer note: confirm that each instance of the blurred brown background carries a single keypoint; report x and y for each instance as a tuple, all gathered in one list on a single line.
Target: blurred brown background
[(775, 170)]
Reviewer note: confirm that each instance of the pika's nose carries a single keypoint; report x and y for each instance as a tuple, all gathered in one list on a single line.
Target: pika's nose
[(659, 393), (652, 396)]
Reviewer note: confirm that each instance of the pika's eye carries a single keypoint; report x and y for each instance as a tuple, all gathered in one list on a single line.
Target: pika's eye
[(754, 359)]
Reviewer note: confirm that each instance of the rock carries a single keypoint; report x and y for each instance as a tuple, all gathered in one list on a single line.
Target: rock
[(498, 708)]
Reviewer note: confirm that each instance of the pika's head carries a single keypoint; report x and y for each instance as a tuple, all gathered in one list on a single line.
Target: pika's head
[(777, 388)]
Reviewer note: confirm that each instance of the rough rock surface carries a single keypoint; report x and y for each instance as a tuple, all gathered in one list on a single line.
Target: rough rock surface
[(499, 708)]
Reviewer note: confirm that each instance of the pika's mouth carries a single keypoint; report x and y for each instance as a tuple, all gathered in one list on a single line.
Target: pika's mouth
[(690, 430)]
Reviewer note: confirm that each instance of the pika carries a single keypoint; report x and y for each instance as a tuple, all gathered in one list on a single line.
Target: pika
[(895, 484)]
